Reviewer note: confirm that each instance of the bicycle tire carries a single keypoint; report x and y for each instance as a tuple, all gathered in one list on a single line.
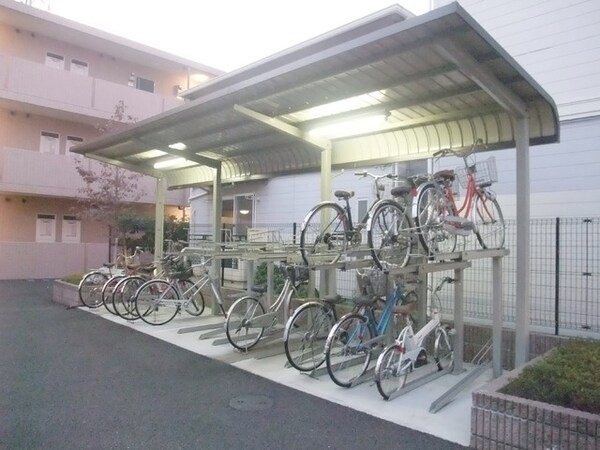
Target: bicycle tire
[(346, 356), (389, 235), (305, 335), (123, 297), (194, 305), (238, 325), (431, 208), (324, 244), (107, 292), (157, 302), (90, 289), (443, 353), (391, 370), (489, 223)]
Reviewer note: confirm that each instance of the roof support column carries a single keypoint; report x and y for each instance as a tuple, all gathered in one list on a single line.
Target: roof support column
[(523, 290), (159, 217), (329, 278), (215, 267)]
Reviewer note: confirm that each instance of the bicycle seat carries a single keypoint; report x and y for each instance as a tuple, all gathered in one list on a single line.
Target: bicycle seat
[(400, 191), (109, 265), (365, 300), (333, 299), (406, 309), (260, 288), (345, 195), (447, 174)]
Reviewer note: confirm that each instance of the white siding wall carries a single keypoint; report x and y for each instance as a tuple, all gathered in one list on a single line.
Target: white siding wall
[(556, 41)]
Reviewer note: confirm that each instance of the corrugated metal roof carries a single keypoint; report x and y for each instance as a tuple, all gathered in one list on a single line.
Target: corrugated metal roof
[(436, 81)]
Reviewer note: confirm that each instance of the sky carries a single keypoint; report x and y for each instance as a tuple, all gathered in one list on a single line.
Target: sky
[(224, 34)]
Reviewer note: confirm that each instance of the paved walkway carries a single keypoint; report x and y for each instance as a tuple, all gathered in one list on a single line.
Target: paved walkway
[(71, 380)]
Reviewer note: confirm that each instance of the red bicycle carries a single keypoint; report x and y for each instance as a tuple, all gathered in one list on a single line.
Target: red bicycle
[(440, 220)]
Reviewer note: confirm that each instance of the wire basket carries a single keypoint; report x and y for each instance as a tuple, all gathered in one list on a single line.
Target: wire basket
[(484, 173), (373, 282)]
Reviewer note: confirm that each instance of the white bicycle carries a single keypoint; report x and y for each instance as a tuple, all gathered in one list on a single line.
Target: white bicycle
[(409, 352)]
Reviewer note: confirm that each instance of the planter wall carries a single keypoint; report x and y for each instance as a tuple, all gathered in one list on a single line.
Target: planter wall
[(500, 421), (65, 293)]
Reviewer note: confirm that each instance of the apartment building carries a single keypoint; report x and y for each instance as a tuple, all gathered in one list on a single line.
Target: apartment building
[(59, 82)]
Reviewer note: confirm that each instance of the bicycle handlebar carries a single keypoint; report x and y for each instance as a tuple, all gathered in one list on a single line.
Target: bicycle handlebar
[(449, 151)]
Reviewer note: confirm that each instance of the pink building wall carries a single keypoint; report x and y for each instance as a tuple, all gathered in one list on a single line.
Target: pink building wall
[(36, 98)]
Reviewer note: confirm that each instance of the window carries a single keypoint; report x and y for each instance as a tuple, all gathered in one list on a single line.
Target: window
[(79, 67), (71, 230), (55, 60), (363, 208), (49, 142), (144, 85), (71, 142), (45, 229)]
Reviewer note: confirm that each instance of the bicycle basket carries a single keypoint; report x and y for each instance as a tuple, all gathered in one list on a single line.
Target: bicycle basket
[(375, 283), (177, 269), (484, 173)]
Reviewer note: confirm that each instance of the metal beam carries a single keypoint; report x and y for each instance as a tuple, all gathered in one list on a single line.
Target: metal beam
[(159, 232), (482, 76), (134, 168), (523, 288), (283, 127)]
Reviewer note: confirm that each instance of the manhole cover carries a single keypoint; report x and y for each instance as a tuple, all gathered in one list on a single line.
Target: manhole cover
[(251, 402)]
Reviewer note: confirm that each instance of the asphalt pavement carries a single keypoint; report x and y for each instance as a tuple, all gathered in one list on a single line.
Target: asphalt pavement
[(71, 380)]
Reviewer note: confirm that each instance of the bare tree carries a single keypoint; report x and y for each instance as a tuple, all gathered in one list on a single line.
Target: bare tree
[(109, 191)]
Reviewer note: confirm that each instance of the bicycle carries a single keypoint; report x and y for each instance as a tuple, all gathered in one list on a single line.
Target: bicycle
[(247, 321), (438, 218), (306, 331), (328, 229), (158, 301), (358, 334), (409, 352), (91, 289)]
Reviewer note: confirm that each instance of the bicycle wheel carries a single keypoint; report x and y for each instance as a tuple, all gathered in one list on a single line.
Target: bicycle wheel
[(443, 354), (240, 331), (391, 371), (324, 235), (432, 208), (305, 335), (346, 354), (90, 289), (389, 235), (123, 298), (489, 222), (157, 302), (107, 292), (194, 299)]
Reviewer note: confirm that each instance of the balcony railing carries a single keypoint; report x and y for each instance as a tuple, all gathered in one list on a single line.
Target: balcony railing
[(33, 83), (28, 172)]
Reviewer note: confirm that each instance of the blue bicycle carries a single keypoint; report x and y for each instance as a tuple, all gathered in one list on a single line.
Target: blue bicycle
[(358, 335)]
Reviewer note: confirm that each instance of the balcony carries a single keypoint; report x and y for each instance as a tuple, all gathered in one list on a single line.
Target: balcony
[(36, 84), (27, 172)]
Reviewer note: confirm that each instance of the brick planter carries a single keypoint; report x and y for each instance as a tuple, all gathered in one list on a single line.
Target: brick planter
[(65, 294), (500, 421)]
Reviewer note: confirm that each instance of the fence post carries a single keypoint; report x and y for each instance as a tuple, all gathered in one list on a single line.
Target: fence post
[(557, 277)]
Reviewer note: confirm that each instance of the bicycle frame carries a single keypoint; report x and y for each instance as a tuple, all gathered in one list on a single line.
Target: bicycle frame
[(269, 319)]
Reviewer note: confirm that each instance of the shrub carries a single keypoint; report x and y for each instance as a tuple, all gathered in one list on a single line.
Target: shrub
[(568, 377)]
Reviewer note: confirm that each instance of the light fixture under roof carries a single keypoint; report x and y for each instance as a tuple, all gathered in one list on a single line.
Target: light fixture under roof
[(178, 146), (358, 125), (169, 163)]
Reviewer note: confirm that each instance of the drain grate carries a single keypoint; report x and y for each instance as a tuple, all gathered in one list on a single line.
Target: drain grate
[(251, 402)]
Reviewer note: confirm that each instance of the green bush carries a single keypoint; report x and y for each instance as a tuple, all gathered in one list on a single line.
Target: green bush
[(568, 377)]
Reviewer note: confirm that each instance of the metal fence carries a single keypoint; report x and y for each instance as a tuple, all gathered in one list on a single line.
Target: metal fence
[(565, 281)]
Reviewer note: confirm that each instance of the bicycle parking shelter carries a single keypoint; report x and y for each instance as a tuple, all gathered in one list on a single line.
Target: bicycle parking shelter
[(439, 79)]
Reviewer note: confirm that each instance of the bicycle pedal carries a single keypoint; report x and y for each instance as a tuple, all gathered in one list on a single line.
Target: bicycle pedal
[(421, 359)]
